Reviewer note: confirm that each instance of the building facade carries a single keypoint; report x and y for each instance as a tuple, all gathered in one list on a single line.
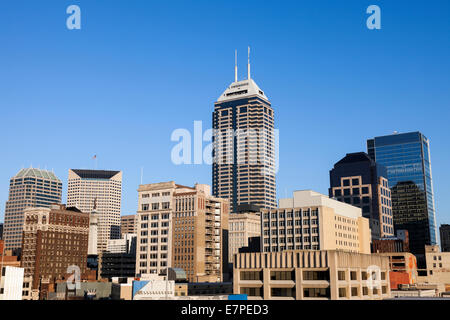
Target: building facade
[(53, 239), (311, 275), (128, 224), (312, 221), (182, 227), (11, 283), (437, 268), (444, 231), (407, 160), (29, 188), (244, 168), (243, 226), (356, 179), (86, 187)]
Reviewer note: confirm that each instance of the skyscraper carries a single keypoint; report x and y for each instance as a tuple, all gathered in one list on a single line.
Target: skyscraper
[(406, 157), (105, 187), (358, 180), (445, 237), (30, 188), (243, 168)]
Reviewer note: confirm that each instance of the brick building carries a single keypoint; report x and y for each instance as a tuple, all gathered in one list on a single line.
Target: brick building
[(53, 239)]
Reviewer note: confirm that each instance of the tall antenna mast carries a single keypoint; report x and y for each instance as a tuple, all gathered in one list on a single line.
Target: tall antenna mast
[(235, 66), (248, 64)]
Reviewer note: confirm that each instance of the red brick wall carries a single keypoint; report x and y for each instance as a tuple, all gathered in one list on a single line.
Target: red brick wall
[(397, 278)]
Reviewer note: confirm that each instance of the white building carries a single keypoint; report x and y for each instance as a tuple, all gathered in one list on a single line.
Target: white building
[(125, 245), (11, 283), (103, 187)]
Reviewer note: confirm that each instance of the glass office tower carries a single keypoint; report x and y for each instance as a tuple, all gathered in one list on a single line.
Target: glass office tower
[(406, 157)]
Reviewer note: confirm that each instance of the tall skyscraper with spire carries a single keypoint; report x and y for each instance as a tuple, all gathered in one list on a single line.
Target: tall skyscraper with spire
[(243, 168)]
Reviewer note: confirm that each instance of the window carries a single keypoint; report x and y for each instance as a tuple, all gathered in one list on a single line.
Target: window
[(354, 292), (316, 275), (251, 275), (316, 293), (346, 182), (342, 292), (337, 193), (282, 275), (346, 192), (282, 292), (353, 275), (355, 182), (355, 191), (341, 275), (365, 190)]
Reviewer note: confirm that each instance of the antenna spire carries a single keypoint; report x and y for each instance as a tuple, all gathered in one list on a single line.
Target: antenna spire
[(248, 65), (235, 66)]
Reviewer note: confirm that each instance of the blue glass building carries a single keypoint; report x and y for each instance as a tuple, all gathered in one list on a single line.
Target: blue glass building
[(406, 157)]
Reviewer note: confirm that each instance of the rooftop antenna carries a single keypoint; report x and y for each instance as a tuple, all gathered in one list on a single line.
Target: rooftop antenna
[(235, 66), (248, 64)]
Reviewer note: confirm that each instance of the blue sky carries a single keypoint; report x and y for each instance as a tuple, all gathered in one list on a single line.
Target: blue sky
[(137, 70)]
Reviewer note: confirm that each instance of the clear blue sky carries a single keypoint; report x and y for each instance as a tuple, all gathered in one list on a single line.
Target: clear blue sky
[(137, 70)]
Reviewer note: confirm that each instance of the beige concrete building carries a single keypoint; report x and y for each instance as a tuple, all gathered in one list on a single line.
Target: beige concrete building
[(85, 187), (310, 275), (182, 227), (312, 221), (242, 227), (438, 269), (128, 224)]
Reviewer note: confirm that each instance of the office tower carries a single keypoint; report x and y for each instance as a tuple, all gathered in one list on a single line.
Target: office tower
[(53, 239), (243, 169), (27, 189), (86, 186), (243, 226), (357, 180), (406, 157), (445, 237), (312, 221), (128, 224), (182, 227)]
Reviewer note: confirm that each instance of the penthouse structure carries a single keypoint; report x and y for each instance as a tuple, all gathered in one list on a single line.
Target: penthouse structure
[(29, 188), (312, 221), (243, 169), (182, 227)]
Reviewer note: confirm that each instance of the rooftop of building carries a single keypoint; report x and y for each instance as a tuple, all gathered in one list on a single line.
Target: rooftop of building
[(242, 89), (355, 157), (310, 198), (36, 173), (94, 174)]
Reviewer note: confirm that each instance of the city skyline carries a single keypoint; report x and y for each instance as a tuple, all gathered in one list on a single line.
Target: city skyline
[(140, 106)]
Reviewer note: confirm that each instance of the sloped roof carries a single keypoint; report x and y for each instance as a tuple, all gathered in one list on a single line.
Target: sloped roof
[(355, 157), (242, 89), (94, 174), (37, 173)]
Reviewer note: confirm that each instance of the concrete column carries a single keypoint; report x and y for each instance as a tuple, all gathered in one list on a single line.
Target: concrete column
[(299, 284), (266, 284)]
